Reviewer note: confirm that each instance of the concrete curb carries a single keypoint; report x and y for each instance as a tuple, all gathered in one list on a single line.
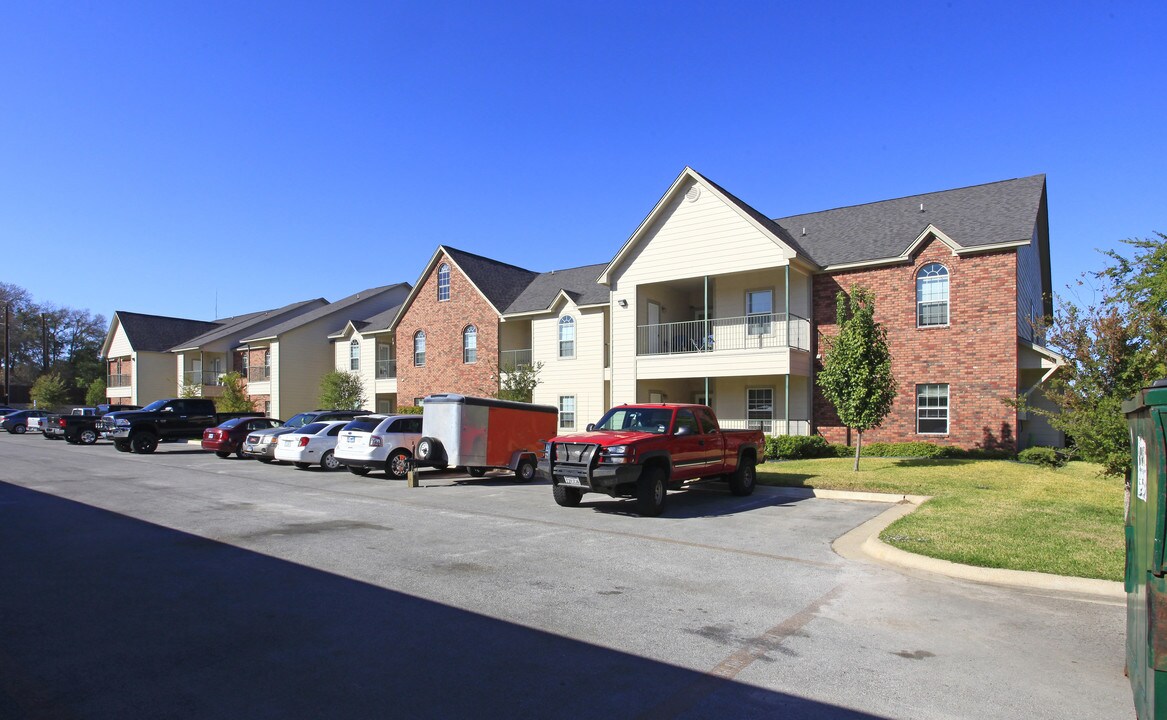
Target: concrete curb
[(863, 543)]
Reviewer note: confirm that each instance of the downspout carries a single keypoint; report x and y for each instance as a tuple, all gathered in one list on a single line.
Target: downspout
[(705, 337)]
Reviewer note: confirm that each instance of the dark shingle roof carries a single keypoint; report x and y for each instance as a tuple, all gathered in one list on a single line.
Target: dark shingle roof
[(499, 282), (157, 333), (242, 324), (327, 311), (579, 284), (999, 212)]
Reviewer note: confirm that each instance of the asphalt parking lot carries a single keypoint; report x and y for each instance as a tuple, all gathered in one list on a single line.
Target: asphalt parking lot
[(181, 585)]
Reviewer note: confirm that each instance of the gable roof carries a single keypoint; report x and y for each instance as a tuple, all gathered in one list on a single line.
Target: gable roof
[(324, 312), (499, 282), (156, 333), (579, 284), (244, 324), (380, 322), (975, 218), (767, 227)]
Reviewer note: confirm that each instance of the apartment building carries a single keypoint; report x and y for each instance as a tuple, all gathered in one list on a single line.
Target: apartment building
[(368, 349), (140, 367)]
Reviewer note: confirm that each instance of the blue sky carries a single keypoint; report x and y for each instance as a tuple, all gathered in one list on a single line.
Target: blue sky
[(155, 155)]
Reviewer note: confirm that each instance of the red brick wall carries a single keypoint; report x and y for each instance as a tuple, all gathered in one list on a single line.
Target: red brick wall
[(976, 354), (443, 323)]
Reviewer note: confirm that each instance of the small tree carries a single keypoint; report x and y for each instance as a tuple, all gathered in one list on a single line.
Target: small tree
[(190, 390), (519, 383), (49, 391), (95, 394), (342, 391), (856, 376), (234, 397)]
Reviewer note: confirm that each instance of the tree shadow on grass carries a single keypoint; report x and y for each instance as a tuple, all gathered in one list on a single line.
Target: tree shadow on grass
[(107, 616)]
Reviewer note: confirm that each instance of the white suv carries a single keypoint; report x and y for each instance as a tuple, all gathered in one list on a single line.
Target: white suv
[(378, 442)]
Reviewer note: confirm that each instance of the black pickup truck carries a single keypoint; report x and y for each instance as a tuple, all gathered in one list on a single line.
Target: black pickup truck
[(169, 420), (80, 427)]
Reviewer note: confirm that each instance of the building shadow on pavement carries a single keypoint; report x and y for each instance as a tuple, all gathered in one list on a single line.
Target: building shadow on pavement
[(107, 616)]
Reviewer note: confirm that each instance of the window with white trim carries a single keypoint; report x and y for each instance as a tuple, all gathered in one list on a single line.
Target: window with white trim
[(470, 344), (932, 295), (932, 409), (567, 412), (419, 348), (354, 355), (760, 409), (759, 311), (443, 282), (567, 337)]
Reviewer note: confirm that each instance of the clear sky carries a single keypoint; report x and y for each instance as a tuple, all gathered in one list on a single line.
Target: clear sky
[(154, 155)]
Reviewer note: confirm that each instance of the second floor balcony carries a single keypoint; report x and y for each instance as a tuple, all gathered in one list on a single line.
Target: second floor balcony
[(511, 360), (118, 381), (202, 377), (259, 374), (752, 332), (386, 369)]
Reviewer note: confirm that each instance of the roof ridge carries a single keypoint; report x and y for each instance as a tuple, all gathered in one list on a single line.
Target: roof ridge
[(489, 259)]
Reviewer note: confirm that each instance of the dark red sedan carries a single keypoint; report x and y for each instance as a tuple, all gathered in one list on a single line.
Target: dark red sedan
[(228, 437)]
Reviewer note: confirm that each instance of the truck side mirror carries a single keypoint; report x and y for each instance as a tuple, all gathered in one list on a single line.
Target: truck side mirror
[(590, 427)]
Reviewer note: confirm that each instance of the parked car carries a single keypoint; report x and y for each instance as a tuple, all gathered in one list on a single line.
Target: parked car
[(261, 445), (80, 427), (378, 442), (17, 422), (227, 438), (36, 424), (312, 444), (169, 420), (642, 451)]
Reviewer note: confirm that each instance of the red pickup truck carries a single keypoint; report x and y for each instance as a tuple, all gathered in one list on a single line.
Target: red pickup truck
[(642, 451)]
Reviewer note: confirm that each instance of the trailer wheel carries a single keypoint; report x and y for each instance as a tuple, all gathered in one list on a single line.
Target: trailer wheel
[(525, 471), (650, 491), (566, 496), (476, 471), (742, 481)]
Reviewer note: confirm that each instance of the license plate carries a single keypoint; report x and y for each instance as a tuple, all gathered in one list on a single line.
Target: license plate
[(351, 439), (569, 480)]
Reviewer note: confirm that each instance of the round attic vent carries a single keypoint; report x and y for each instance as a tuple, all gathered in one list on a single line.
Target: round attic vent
[(693, 194)]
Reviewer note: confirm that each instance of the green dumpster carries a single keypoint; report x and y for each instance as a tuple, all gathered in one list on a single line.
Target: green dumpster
[(1146, 552)]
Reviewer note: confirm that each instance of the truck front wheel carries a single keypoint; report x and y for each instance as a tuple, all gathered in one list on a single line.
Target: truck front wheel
[(144, 443), (650, 491), (566, 496), (742, 481)]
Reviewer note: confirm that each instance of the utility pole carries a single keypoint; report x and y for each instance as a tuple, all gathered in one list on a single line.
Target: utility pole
[(44, 344), (7, 355)]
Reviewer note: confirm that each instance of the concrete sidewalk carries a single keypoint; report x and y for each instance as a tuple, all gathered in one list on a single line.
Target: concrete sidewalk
[(863, 543)]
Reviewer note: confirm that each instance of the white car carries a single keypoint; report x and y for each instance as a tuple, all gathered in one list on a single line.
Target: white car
[(378, 442), (312, 444)]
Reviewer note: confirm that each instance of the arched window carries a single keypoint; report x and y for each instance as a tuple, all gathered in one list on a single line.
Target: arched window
[(443, 282), (419, 348), (470, 344), (354, 355), (932, 295), (566, 336)]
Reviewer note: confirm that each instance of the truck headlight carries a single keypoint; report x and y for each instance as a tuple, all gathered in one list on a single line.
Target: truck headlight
[(618, 454), (121, 422)]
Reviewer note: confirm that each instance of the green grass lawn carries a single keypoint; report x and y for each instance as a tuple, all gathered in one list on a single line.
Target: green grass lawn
[(989, 513)]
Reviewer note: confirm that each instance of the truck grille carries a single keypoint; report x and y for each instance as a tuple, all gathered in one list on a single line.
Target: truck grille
[(575, 459)]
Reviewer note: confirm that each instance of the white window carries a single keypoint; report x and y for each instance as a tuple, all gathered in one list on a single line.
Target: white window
[(567, 412), (759, 311), (470, 344), (443, 282), (932, 295), (760, 409), (932, 409), (245, 357), (354, 355), (566, 337), (419, 348), (267, 408)]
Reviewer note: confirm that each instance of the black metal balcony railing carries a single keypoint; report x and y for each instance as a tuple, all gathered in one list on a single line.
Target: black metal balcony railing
[(511, 360), (202, 377), (386, 369), (118, 381), (259, 374), (752, 332)]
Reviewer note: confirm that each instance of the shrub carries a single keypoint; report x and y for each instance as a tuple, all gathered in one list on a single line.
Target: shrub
[(909, 449), (409, 410), (1043, 456), (797, 447)]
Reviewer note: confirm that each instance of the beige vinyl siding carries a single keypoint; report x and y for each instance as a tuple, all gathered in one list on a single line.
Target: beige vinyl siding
[(514, 335), (119, 345), (309, 360), (709, 230), (154, 377), (581, 376)]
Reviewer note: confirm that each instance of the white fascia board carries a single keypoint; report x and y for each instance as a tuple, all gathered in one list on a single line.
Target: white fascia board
[(561, 297)]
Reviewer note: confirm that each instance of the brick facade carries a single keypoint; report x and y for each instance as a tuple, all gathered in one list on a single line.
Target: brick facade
[(975, 354), (443, 323)]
